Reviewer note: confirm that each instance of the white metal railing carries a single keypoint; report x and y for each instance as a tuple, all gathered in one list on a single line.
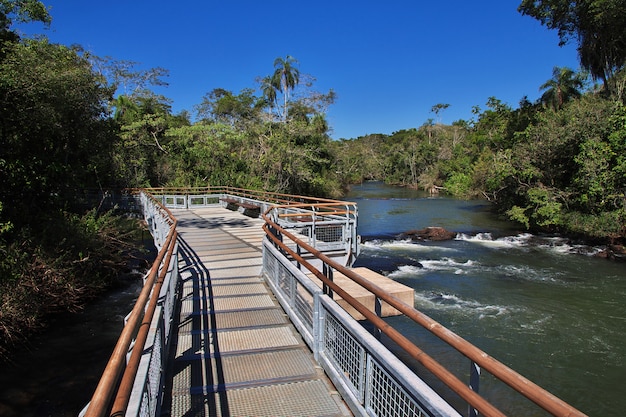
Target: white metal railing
[(371, 380), (326, 225)]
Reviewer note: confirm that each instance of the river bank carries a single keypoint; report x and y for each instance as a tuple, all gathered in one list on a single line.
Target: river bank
[(66, 269), (55, 370), (611, 246)]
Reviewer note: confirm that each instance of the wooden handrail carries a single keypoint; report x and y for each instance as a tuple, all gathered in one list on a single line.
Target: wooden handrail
[(128, 379)]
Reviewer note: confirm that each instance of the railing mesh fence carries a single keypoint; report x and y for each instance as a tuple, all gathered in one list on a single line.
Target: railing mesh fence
[(386, 398), (346, 353)]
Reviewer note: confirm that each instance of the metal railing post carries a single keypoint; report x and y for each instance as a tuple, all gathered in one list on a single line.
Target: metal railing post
[(378, 309), (474, 386)]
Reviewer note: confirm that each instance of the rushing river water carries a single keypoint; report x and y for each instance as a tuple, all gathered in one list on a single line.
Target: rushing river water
[(538, 305)]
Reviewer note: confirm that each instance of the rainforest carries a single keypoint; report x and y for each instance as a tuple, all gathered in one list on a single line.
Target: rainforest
[(72, 121)]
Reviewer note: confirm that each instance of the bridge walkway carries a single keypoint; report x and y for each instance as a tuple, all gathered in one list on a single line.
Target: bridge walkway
[(234, 351)]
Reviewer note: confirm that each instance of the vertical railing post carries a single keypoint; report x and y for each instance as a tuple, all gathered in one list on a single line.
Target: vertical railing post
[(318, 327), (378, 309), (328, 273), (299, 252), (474, 386)]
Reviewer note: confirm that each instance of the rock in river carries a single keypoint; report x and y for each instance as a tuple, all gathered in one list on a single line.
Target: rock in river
[(429, 233)]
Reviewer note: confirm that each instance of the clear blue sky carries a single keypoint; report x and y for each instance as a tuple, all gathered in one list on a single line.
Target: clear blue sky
[(389, 62)]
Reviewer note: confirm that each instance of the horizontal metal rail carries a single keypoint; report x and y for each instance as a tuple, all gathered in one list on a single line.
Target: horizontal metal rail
[(520, 384), (260, 195), (329, 225)]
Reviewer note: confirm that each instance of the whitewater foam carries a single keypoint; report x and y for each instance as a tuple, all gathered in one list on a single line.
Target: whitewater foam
[(454, 303), (404, 245), (555, 244), (486, 239)]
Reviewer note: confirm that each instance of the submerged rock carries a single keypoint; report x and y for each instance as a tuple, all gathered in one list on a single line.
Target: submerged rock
[(613, 252), (429, 233)]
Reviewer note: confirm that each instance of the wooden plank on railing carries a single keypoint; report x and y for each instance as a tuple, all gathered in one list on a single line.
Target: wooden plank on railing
[(365, 297)]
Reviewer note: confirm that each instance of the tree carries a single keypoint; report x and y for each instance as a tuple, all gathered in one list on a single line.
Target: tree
[(22, 11), (223, 106), (286, 77), (564, 85), (55, 135), (438, 108), (597, 25), (143, 122), (268, 89)]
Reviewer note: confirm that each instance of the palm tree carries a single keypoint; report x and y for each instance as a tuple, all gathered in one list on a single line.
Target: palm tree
[(268, 89), (564, 85), (286, 77)]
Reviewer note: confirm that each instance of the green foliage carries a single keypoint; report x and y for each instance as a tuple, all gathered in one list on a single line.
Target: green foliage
[(543, 210), (55, 136), (459, 184), (21, 11), (57, 267), (597, 26), (601, 226)]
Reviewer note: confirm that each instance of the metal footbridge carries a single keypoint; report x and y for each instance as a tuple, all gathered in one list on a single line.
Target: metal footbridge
[(252, 309)]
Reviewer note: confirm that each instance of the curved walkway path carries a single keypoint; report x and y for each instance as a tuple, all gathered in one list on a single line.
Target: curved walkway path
[(234, 351)]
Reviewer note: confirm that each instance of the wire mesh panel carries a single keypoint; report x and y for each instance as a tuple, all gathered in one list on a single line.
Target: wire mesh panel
[(269, 265), (348, 354), (169, 297), (330, 233), (303, 304), (203, 200), (144, 410), (386, 398), (154, 372), (284, 281)]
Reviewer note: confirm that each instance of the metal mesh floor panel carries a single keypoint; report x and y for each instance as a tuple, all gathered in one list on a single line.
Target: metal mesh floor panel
[(258, 367), (267, 317), (189, 344), (309, 398), (235, 280), (273, 337), (236, 271), (243, 302), (236, 353), (239, 289)]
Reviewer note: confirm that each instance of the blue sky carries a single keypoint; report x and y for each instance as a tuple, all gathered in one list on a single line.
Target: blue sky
[(389, 62)]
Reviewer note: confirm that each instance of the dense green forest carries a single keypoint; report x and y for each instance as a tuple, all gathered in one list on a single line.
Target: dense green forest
[(71, 120)]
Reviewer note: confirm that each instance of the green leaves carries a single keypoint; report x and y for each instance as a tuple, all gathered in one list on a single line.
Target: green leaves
[(54, 132), (597, 26)]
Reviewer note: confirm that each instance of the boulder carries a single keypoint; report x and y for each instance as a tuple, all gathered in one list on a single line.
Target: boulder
[(429, 233), (613, 252)]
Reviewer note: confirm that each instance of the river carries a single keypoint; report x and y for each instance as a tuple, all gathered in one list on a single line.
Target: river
[(56, 372), (544, 307)]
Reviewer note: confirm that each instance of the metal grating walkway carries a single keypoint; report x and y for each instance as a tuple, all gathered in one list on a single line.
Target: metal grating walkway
[(235, 352)]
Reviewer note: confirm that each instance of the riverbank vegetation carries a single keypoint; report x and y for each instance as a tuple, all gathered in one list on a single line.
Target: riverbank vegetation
[(72, 120)]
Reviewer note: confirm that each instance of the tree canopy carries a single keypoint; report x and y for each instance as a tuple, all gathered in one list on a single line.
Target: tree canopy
[(596, 25)]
